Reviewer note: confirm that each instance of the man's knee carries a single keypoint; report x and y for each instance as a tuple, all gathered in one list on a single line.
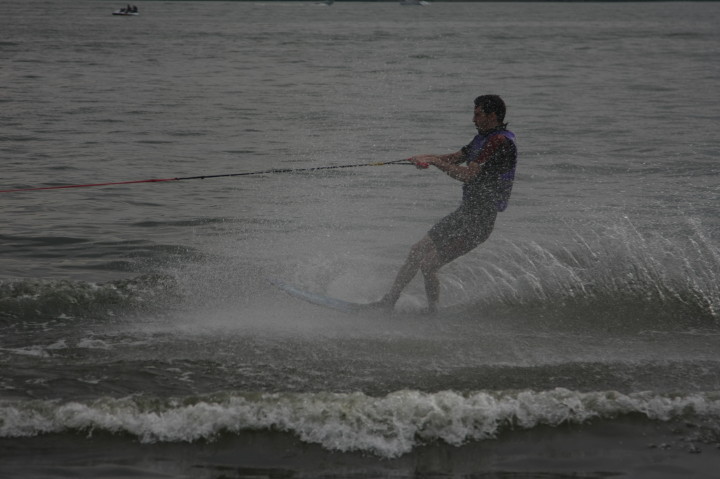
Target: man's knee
[(421, 249)]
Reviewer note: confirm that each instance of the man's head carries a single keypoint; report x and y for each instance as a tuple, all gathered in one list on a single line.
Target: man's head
[(489, 112)]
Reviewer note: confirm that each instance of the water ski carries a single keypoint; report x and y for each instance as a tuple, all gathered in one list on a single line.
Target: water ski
[(320, 299)]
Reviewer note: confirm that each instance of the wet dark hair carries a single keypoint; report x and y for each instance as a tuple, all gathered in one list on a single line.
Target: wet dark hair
[(492, 104)]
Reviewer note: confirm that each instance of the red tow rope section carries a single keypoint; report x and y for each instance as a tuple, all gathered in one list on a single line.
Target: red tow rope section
[(158, 180)]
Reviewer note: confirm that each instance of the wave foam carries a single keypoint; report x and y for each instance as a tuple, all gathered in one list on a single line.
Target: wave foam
[(387, 426)]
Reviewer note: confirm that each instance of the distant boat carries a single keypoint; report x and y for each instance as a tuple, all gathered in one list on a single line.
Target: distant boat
[(127, 12), (421, 3)]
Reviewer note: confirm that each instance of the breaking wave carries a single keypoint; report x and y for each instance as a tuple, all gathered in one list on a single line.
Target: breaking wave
[(387, 426)]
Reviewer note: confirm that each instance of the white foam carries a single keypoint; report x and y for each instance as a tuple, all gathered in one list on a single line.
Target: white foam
[(89, 343), (387, 426)]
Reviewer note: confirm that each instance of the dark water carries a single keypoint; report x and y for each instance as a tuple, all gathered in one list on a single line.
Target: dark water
[(139, 336)]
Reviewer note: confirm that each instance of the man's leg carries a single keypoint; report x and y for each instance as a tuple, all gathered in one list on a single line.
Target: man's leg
[(429, 268), (423, 256)]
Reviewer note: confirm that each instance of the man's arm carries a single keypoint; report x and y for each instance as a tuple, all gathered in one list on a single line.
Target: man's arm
[(450, 164), (453, 158)]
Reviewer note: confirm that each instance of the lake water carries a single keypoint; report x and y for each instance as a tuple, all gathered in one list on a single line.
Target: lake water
[(140, 337)]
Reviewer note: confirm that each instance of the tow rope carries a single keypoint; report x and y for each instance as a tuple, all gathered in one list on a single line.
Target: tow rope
[(203, 177)]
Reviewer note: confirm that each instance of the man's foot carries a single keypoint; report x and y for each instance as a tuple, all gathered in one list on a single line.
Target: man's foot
[(384, 304)]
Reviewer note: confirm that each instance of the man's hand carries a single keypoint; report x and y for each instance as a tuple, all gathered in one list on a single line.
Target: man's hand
[(423, 161)]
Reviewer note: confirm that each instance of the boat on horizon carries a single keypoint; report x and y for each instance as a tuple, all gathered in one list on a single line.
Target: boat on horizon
[(127, 11)]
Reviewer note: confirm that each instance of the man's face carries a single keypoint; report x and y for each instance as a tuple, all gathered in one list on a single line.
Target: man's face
[(484, 121)]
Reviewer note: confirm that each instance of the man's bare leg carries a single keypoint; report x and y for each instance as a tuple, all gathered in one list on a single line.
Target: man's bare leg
[(432, 289), (423, 256)]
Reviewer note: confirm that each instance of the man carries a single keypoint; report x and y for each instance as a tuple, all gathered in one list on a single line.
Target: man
[(487, 175)]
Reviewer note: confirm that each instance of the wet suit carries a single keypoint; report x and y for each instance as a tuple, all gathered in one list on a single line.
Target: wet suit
[(483, 197)]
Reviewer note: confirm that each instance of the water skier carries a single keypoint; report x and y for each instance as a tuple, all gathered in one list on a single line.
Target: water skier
[(487, 176)]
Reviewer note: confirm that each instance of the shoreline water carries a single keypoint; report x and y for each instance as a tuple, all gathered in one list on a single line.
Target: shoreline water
[(629, 448)]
